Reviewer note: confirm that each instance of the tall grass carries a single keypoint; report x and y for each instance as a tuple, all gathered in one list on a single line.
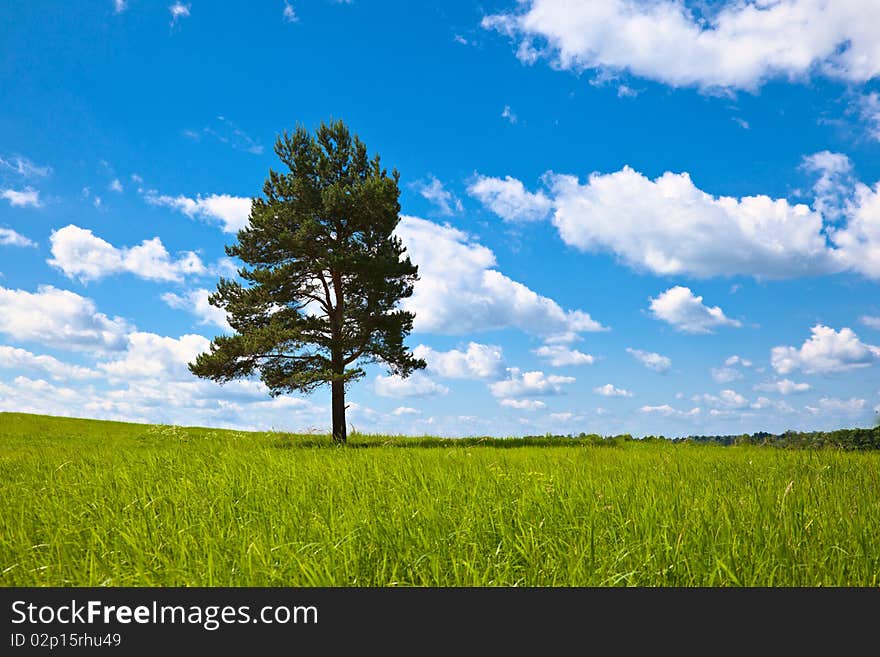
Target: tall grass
[(89, 503)]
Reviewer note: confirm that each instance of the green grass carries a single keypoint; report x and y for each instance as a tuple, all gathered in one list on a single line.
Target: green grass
[(90, 503)]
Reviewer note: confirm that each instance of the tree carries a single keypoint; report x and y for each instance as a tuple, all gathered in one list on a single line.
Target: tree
[(325, 274)]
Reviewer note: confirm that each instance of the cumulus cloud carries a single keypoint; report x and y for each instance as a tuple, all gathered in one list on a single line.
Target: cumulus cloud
[(870, 321), (783, 386), (529, 384), (9, 237), (725, 374), (460, 291), (833, 182), (686, 312), (509, 199), (726, 399), (22, 198), (196, 303), (237, 404), (857, 241), (59, 318), (651, 360), (478, 361), (405, 410), (78, 253), (826, 405), (21, 359), (737, 360), (669, 226), (763, 403), (609, 390), (152, 356), (523, 404), (434, 192), (231, 212), (561, 356), (738, 45), (668, 411), (826, 351), (869, 111), (416, 384)]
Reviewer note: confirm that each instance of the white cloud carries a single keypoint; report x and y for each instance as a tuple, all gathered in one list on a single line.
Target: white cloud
[(679, 307), (858, 240), (405, 410), (231, 211), (725, 374), (852, 406), (509, 199), (460, 291), (433, 191), (196, 303), (669, 226), (783, 386), (726, 399), (529, 384), (523, 404), (152, 356), (237, 404), (737, 360), (289, 14), (651, 360), (507, 113), (78, 253), (24, 198), (115, 186), (479, 361), (762, 403), (870, 322), (608, 390), (27, 395), (869, 111), (824, 352), (9, 237), (178, 10), (14, 358), (59, 318), (24, 167), (561, 356), (739, 45), (415, 385), (668, 411), (119, 6), (833, 185)]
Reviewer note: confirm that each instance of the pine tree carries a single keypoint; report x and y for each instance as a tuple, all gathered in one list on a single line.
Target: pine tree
[(324, 274)]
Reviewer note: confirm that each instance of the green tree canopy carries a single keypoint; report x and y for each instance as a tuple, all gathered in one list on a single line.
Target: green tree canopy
[(324, 274)]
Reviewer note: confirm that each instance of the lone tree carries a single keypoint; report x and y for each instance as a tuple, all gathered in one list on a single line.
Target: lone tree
[(324, 274)]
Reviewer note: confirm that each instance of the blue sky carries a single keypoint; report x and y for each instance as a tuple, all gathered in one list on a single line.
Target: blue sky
[(656, 218)]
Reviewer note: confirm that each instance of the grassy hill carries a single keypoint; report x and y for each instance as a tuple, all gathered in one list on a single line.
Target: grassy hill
[(87, 502)]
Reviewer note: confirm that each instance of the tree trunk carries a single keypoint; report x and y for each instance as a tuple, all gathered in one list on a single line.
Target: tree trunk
[(338, 393)]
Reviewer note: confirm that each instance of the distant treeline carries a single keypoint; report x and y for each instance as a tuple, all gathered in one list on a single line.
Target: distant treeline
[(848, 439)]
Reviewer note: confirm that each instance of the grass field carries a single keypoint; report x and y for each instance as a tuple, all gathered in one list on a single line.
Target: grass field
[(90, 503)]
